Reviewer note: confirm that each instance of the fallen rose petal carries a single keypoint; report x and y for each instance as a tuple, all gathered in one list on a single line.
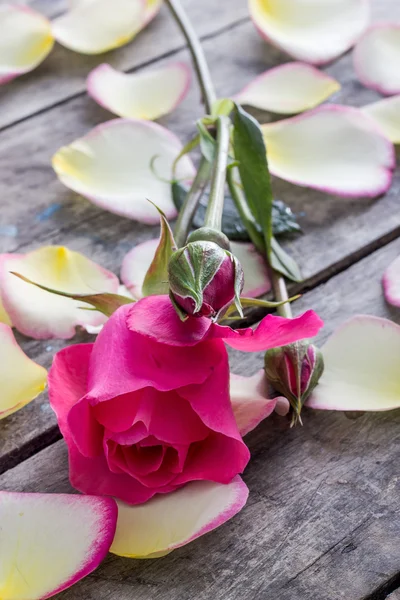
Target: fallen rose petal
[(315, 32), (288, 89), (112, 167), (250, 402), (386, 114), (391, 283), (376, 58), (335, 149), (21, 379), (362, 367), (40, 314), (97, 26), (173, 520), (136, 263), (49, 542), (26, 40), (145, 95), (4, 317)]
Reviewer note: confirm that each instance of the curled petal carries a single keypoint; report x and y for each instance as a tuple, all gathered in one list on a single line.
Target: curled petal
[(376, 58), (21, 378), (145, 95), (391, 283), (4, 317), (97, 26), (386, 114), (136, 263), (335, 149), (315, 32), (112, 166), (288, 89), (173, 520), (49, 542), (250, 402), (362, 367), (43, 315), (26, 40)]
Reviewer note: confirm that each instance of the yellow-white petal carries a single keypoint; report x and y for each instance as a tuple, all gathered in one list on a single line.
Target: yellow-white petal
[(386, 114), (97, 26), (121, 164), (48, 542), (25, 40), (288, 89), (250, 401), (314, 32), (136, 263), (21, 379), (145, 95), (391, 283), (169, 521), (335, 149), (377, 56), (362, 367), (4, 317), (43, 315)]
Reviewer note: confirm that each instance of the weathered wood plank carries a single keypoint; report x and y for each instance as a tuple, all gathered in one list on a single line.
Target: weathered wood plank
[(63, 74), (337, 232), (321, 521)]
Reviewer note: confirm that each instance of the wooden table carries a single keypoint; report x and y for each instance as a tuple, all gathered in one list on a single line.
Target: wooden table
[(322, 520)]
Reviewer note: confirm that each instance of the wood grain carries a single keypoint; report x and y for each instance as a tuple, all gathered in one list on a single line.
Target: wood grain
[(322, 519)]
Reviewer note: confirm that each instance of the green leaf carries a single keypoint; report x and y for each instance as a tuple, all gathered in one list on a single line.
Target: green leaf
[(283, 263), (222, 107), (156, 279), (250, 151), (207, 142), (104, 303), (191, 145)]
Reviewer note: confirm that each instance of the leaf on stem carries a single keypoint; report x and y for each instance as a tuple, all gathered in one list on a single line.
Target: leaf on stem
[(207, 142), (156, 279), (283, 263), (105, 303)]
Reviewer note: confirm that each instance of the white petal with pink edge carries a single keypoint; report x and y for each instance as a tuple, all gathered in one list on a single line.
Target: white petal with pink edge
[(4, 317), (335, 149), (136, 263), (145, 95), (250, 401), (49, 542), (40, 314), (97, 26), (121, 164), (377, 56), (25, 41), (386, 114), (172, 520), (288, 89), (21, 379), (362, 367), (391, 283), (314, 32)]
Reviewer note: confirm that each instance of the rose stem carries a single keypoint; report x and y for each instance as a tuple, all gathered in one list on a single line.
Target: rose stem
[(215, 207)]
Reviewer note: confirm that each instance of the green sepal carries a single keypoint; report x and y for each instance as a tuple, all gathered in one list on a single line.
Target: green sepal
[(156, 280), (105, 303)]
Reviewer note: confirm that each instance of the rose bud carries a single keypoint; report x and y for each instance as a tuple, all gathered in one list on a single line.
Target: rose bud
[(204, 279), (294, 371)]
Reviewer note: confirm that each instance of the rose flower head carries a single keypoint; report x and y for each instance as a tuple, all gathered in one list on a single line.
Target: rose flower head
[(294, 371), (204, 278)]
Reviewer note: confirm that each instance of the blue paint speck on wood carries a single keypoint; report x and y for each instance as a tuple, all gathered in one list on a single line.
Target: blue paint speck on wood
[(48, 212)]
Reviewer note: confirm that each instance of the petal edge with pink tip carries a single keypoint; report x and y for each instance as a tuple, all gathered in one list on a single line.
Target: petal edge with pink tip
[(376, 58), (145, 95), (21, 379), (391, 283), (26, 40), (43, 315), (288, 89), (51, 541), (308, 30), (362, 367), (334, 149), (170, 521), (113, 167), (386, 114)]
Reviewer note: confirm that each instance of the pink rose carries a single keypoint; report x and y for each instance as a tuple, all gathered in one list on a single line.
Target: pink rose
[(146, 408)]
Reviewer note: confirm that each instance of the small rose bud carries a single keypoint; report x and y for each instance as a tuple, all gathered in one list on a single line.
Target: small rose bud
[(294, 371), (204, 278)]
